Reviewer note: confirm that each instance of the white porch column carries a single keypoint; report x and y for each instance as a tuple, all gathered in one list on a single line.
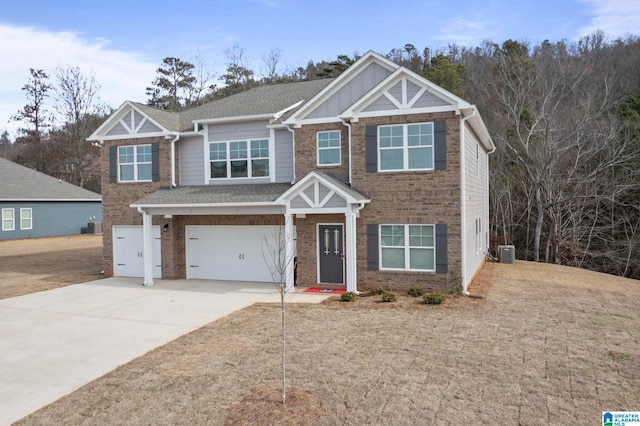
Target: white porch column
[(351, 250), (288, 235), (147, 247)]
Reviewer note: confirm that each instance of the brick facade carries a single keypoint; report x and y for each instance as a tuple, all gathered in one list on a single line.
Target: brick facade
[(116, 197)]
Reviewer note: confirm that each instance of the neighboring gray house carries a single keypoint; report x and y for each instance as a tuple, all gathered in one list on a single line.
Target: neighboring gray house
[(34, 205)]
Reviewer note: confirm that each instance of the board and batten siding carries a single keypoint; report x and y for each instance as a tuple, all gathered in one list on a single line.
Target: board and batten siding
[(191, 164), (53, 218), (351, 92), (476, 202)]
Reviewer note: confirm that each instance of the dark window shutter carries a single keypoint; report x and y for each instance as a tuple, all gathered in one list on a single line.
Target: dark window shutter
[(441, 248), (440, 144), (155, 162), (372, 247), (372, 148), (113, 164)]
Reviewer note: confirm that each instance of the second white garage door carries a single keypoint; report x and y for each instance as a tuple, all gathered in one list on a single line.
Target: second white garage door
[(230, 253)]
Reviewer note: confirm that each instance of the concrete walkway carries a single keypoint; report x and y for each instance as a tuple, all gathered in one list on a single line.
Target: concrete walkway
[(56, 341)]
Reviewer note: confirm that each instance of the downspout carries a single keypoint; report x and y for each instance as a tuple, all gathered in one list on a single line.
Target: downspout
[(173, 160), (352, 251), (349, 145), (293, 147), (463, 226)]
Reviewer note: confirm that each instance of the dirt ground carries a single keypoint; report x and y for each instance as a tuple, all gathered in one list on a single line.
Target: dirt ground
[(31, 265), (544, 345)]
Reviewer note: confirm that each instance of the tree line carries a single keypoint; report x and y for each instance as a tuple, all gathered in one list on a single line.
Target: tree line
[(565, 118)]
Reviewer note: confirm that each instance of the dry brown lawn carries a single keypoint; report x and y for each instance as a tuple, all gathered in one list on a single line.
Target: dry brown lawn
[(545, 345), (38, 264)]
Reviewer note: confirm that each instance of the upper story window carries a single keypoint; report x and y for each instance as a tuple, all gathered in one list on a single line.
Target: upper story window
[(407, 247), (26, 219), (8, 220), (328, 147), (239, 159), (405, 147), (134, 163)]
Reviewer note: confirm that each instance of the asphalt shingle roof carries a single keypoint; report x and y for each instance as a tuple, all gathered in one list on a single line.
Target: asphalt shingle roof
[(265, 99), (215, 194), (19, 183)]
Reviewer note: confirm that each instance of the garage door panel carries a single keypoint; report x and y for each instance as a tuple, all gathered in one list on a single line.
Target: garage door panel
[(230, 253), (128, 253)]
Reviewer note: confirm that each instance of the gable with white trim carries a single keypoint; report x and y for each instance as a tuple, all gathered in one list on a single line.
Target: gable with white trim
[(132, 122), (128, 122)]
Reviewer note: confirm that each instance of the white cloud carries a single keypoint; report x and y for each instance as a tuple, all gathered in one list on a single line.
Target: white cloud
[(122, 75), (617, 18), (465, 30)]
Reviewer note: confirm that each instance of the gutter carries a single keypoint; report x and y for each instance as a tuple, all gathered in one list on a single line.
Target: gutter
[(293, 148), (349, 145), (463, 230)]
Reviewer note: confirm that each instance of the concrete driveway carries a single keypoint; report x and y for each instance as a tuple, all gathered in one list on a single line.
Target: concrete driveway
[(55, 341)]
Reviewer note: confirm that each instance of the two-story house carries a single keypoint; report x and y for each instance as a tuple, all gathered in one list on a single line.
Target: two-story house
[(376, 177)]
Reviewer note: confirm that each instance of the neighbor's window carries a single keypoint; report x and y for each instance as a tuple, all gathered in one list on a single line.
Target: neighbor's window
[(26, 219), (8, 220), (239, 159), (407, 247), (328, 147), (134, 163), (405, 147)]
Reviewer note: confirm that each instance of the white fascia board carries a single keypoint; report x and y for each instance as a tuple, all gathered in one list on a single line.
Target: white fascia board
[(340, 82), (114, 117), (99, 134), (207, 205), (279, 114), (412, 111), (234, 119), (329, 210), (480, 129), (135, 136), (299, 123), (51, 200)]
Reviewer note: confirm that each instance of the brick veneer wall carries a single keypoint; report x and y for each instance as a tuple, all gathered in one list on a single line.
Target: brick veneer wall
[(116, 197), (306, 151), (427, 197)]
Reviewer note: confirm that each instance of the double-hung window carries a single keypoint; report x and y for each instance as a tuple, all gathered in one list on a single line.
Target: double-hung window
[(328, 147), (239, 159), (26, 219), (8, 220), (407, 247), (405, 147), (134, 163)]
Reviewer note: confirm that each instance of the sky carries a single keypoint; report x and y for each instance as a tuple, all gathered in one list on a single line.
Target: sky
[(120, 43)]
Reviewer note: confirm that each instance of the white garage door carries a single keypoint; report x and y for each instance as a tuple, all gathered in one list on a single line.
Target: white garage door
[(230, 253), (128, 253)]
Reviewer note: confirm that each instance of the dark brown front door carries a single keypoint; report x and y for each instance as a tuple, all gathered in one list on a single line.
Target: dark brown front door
[(331, 254)]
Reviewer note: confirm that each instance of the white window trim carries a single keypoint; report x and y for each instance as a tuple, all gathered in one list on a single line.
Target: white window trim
[(135, 164), (13, 220), (407, 247), (248, 159), (406, 148), (30, 218), (339, 148)]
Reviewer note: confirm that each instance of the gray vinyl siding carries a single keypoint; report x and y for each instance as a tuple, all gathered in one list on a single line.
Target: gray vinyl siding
[(53, 218), (351, 92), (396, 91), (149, 127), (191, 164), (284, 155), (412, 90), (117, 130), (429, 100), (381, 104), (137, 117), (240, 131)]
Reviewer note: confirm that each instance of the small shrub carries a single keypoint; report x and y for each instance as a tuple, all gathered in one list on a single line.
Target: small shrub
[(455, 283), (377, 291), (434, 298), (415, 291), (388, 297), (349, 296)]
